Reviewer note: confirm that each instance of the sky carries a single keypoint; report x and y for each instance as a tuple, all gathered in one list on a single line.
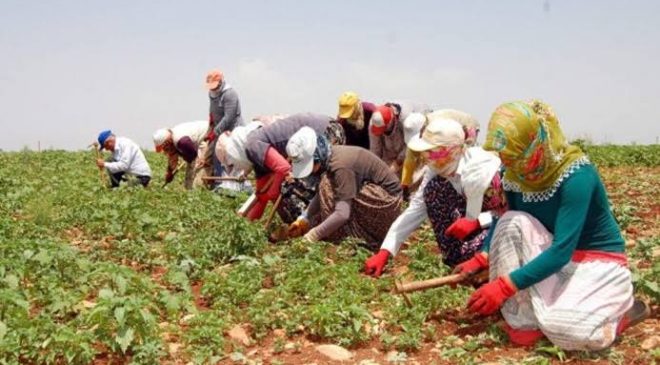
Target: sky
[(69, 69)]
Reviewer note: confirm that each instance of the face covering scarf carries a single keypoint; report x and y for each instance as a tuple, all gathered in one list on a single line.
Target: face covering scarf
[(531, 145)]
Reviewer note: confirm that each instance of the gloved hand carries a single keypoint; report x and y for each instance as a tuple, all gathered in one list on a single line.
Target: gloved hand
[(489, 298), (375, 264), (462, 228), (477, 263), (298, 228), (169, 176), (211, 136)]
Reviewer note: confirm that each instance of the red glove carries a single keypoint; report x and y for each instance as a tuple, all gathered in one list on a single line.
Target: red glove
[(211, 136), (489, 298), (477, 263), (375, 264), (462, 228)]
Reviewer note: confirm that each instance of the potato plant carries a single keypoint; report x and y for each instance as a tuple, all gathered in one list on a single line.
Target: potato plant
[(155, 275)]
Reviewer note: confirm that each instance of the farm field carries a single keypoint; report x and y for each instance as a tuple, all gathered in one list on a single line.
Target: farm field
[(162, 275)]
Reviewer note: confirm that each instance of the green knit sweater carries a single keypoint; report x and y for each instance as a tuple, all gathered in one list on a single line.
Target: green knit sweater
[(579, 217)]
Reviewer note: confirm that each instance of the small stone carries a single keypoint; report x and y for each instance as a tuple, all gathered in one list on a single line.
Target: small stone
[(279, 332), (174, 348), (236, 357), (378, 314), (334, 352), (396, 357), (186, 318), (651, 343), (88, 304), (238, 334)]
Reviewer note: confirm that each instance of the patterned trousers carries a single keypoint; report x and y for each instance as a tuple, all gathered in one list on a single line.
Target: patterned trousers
[(577, 308)]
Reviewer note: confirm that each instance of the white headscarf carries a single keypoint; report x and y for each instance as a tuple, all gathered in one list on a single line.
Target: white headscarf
[(475, 166), (230, 149), (477, 169)]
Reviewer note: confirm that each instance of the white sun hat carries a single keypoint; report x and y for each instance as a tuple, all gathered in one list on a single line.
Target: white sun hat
[(438, 132), (300, 149), (412, 125)]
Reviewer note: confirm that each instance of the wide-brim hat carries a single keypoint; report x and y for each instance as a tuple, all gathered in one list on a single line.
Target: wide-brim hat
[(438, 133)]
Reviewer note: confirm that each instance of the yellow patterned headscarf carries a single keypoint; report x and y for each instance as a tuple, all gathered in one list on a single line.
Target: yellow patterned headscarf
[(531, 144)]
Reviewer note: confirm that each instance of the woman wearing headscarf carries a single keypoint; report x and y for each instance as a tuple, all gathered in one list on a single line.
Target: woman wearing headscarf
[(386, 137), (358, 195), (262, 149), (459, 193), (297, 193), (412, 170), (185, 140), (556, 259), (354, 116), (230, 149)]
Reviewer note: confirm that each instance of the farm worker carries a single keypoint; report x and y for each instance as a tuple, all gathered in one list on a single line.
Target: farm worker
[(355, 115), (358, 195), (265, 150), (186, 140), (230, 149), (460, 192), (412, 170), (556, 259), (296, 193), (127, 158), (224, 115), (386, 132)]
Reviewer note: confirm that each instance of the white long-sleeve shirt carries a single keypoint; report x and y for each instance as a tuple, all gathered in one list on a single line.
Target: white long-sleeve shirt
[(129, 158), (196, 131), (416, 212)]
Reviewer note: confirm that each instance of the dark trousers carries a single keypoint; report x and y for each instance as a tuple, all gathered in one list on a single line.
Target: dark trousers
[(218, 169), (116, 178)]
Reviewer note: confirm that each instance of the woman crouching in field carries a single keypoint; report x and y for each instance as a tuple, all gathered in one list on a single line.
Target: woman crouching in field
[(358, 195), (557, 261), (262, 148), (459, 193)]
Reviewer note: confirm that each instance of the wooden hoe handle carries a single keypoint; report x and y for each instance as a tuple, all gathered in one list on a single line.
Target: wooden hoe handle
[(430, 283)]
